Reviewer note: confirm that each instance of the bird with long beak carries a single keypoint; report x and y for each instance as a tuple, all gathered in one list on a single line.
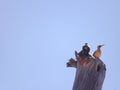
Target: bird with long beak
[(97, 53)]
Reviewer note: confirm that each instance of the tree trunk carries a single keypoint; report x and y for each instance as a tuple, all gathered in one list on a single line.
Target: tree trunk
[(90, 73)]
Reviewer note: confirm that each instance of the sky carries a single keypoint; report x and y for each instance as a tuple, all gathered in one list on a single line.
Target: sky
[(38, 37)]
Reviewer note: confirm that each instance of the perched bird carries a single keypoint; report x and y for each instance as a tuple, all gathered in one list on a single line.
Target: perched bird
[(97, 53), (85, 50)]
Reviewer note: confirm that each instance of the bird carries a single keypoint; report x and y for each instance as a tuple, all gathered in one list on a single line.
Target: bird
[(85, 50), (97, 53)]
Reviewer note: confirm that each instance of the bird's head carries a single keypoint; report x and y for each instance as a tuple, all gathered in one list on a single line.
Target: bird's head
[(86, 44), (99, 46)]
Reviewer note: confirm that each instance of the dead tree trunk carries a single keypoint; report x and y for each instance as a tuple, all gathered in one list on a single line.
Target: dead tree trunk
[(90, 73)]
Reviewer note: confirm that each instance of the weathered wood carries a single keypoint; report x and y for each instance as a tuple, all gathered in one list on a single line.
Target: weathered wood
[(90, 73), (72, 63)]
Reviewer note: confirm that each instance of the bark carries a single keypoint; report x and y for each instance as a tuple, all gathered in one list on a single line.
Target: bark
[(90, 73)]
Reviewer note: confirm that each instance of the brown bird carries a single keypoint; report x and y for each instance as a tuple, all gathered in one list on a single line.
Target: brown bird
[(97, 53)]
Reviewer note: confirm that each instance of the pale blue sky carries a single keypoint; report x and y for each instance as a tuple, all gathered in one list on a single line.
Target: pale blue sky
[(37, 37)]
